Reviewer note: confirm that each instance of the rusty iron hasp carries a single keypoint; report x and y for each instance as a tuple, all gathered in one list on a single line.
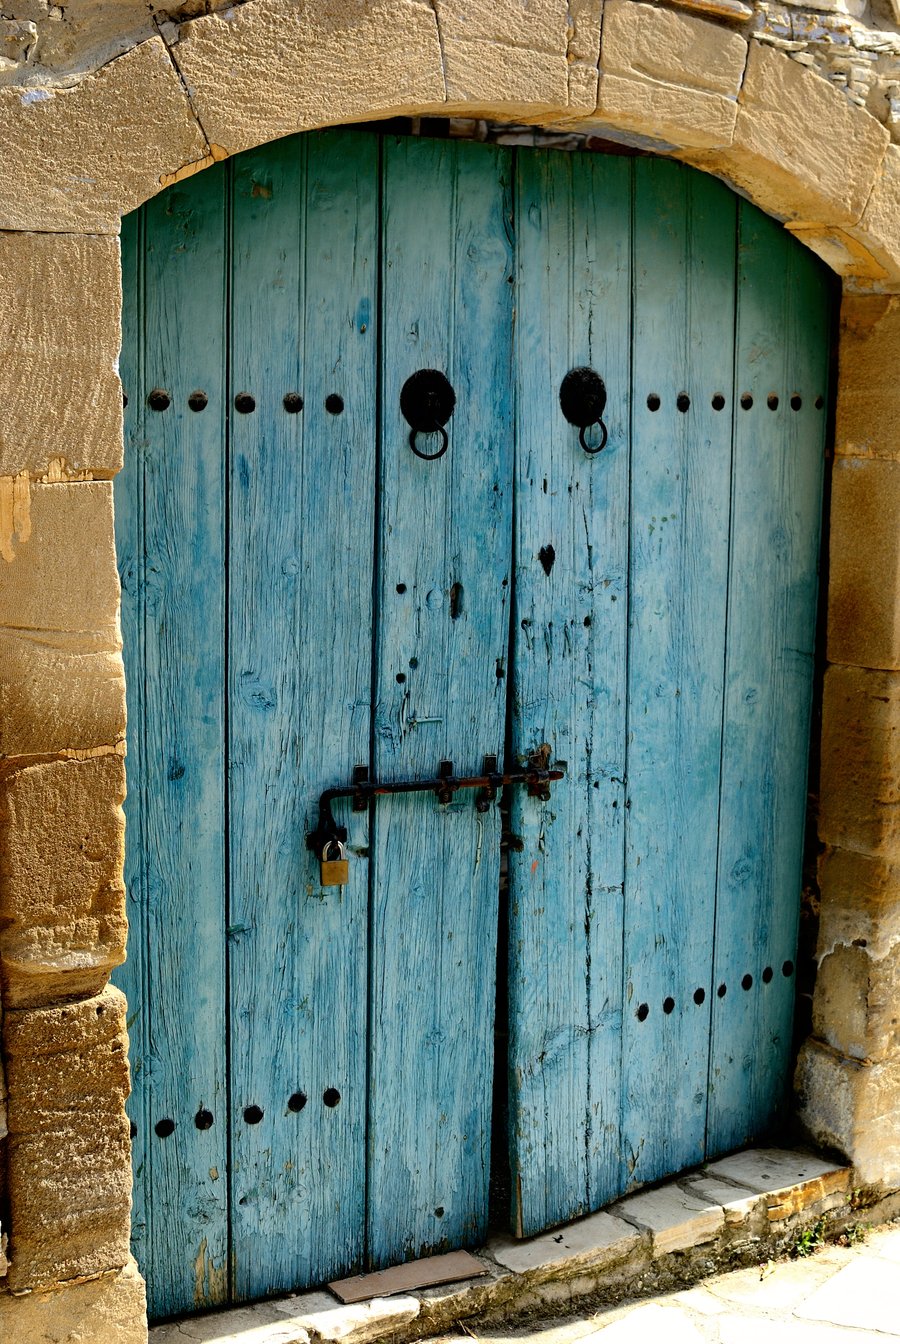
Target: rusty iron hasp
[(537, 776)]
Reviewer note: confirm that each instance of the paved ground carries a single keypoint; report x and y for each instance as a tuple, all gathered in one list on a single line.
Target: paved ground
[(836, 1295)]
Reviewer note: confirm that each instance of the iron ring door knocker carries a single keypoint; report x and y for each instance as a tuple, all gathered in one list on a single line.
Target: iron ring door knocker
[(582, 399), (427, 400)]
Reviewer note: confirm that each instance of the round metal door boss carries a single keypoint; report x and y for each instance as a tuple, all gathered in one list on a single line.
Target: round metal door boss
[(427, 401), (582, 400)]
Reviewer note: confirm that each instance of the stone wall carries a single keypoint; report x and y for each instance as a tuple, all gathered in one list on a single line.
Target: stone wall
[(45, 43), (66, 1165), (854, 43), (849, 1071), (104, 105)]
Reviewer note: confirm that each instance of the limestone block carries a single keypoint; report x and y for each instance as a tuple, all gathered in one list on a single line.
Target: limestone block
[(665, 115), (541, 25), (851, 1106), (63, 578), (505, 55), (667, 79), (868, 400), (61, 678), (506, 82), (800, 148), (69, 1153), (111, 1309), (856, 1004), (590, 1243), (62, 902), (57, 698), (297, 1320), (790, 1181), (844, 251), (860, 782), (584, 82), (256, 72), (332, 1322), (864, 564), (583, 53), (859, 902), (60, 334), (879, 228), (676, 1219), (739, 1206), (676, 48), (585, 17), (258, 1324), (76, 159), (840, 1001)]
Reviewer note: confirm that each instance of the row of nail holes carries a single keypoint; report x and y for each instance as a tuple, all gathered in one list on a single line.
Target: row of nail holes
[(252, 1114), (683, 402), (331, 1097), (293, 402), (158, 400), (787, 970)]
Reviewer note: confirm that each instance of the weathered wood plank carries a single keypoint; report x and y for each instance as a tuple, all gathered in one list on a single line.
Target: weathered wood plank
[(565, 979), (782, 343), (131, 977), (441, 646), (181, 738), (684, 238), (300, 617)]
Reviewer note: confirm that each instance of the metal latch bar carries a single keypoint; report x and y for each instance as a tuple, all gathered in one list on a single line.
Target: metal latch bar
[(537, 776)]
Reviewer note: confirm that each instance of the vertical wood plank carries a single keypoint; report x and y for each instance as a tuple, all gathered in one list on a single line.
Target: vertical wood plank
[(300, 621), (441, 648), (569, 637), (684, 231), (131, 977), (782, 345), (181, 740)]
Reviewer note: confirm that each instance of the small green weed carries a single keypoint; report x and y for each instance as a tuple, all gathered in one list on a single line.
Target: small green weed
[(811, 1239), (854, 1234)]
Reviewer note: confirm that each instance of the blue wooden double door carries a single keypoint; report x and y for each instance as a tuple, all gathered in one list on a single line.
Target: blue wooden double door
[(314, 1067)]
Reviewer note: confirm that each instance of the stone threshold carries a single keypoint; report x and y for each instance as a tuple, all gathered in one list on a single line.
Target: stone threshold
[(736, 1211)]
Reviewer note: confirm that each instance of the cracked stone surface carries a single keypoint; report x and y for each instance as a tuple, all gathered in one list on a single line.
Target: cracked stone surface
[(840, 1294), (676, 1218)]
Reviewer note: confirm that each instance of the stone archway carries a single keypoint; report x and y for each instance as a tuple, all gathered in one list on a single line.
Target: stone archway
[(75, 160)]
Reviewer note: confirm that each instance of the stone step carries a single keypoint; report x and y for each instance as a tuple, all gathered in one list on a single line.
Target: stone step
[(731, 1212)]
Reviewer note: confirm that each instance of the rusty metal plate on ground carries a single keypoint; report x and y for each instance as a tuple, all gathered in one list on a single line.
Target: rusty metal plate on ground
[(405, 1278)]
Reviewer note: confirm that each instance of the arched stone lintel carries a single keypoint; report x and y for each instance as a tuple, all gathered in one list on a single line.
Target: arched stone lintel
[(81, 157)]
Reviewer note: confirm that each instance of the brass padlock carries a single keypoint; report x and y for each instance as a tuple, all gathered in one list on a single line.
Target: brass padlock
[(335, 871)]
